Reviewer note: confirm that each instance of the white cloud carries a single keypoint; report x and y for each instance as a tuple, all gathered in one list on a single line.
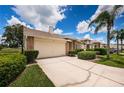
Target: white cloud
[(100, 9), (87, 36), (108, 8), (14, 20), (58, 31), (41, 16), (70, 33), (82, 26)]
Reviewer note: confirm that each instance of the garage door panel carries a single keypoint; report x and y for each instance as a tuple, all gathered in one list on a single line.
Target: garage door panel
[(49, 47)]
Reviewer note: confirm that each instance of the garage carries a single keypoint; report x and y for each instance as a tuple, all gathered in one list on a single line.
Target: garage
[(48, 44), (49, 47)]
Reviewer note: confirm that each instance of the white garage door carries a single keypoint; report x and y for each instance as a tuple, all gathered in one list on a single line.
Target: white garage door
[(49, 47)]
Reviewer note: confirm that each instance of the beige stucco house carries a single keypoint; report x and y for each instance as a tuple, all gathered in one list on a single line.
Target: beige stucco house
[(91, 44), (48, 43)]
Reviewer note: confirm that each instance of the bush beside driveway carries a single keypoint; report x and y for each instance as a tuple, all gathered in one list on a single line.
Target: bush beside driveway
[(11, 65)]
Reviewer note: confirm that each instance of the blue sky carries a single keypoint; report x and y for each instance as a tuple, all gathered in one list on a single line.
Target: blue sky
[(66, 20)]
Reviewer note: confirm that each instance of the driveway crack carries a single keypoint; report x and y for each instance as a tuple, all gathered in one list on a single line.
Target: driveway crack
[(81, 82), (77, 83)]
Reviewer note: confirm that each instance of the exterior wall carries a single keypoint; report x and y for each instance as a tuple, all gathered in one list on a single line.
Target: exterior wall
[(96, 45), (77, 45), (30, 43), (87, 44), (49, 47), (69, 46)]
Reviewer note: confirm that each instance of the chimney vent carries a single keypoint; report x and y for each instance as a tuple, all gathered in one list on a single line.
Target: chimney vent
[(50, 29)]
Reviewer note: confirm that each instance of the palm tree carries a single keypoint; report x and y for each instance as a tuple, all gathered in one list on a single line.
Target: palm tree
[(115, 34), (106, 19), (121, 37)]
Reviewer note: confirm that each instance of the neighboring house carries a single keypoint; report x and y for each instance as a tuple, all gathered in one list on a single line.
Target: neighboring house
[(71, 44), (91, 44), (48, 43), (96, 44), (86, 43)]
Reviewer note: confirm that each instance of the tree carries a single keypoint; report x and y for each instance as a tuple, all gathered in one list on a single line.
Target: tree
[(121, 37), (14, 36), (115, 34), (106, 19)]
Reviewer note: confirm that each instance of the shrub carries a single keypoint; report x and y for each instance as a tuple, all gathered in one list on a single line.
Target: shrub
[(71, 53), (87, 55), (89, 49), (102, 51), (11, 65), (98, 52), (31, 55), (78, 50)]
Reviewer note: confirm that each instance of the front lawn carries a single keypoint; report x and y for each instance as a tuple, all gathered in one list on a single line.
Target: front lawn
[(10, 50), (32, 76), (115, 61)]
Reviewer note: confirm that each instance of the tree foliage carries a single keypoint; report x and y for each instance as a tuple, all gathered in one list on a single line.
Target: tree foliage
[(13, 36), (106, 19)]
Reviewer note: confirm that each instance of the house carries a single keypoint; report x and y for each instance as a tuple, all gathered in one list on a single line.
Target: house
[(86, 43), (96, 44), (72, 44), (91, 44), (48, 43)]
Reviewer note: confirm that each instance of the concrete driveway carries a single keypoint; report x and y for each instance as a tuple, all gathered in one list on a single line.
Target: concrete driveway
[(72, 72)]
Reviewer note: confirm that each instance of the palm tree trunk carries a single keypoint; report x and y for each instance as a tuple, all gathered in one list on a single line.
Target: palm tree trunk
[(117, 47), (108, 43), (121, 45), (117, 38)]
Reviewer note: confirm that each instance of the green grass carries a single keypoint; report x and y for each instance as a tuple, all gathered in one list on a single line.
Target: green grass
[(33, 76), (10, 50), (114, 61)]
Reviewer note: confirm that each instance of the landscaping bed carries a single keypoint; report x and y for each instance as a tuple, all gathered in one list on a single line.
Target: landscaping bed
[(32, 76)]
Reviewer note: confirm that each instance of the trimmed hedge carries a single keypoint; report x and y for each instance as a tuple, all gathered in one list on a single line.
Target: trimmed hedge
[(31, 55), (71, 53), (101, 51), (87, 55), (78, 50), (11, 65)]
